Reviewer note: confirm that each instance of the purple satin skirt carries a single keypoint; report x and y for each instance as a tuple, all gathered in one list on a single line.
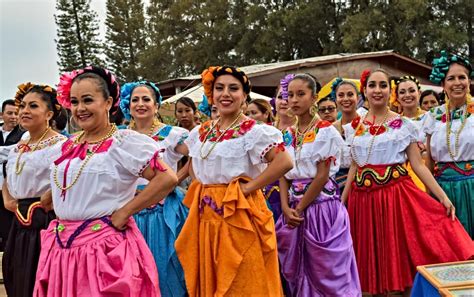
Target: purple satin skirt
[(272, 194), (317, 258)]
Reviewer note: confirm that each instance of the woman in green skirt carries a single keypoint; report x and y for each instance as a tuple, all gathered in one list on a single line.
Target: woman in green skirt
[(450, 130)]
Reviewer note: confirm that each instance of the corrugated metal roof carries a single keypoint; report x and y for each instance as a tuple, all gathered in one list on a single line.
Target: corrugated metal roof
[(254, 70)]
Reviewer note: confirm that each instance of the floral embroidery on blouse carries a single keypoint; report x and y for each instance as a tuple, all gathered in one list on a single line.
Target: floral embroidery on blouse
[(43, 144), (162, 133), (289, 135), (456, 114), (366, 126), (232, 133)]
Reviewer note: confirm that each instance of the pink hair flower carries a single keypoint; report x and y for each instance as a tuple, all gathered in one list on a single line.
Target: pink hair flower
[(64, 88)]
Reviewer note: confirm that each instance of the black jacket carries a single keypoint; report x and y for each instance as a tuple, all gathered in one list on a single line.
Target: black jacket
[(13, 137)]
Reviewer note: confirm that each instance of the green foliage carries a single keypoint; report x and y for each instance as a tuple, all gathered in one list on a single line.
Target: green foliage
[(77, 40), (125, 38), (182, 37)]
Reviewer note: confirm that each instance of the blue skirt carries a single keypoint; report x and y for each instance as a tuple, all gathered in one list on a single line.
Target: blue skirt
[(161, 225)]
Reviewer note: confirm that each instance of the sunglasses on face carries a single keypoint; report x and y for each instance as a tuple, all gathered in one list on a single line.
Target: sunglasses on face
[(326, 109)]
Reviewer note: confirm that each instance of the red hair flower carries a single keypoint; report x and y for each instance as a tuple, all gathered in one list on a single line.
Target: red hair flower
[(363, 80)]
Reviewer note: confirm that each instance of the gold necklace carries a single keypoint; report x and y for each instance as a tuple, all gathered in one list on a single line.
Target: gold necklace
[(213, 145), (419, 113), (300, 136), (371, 144), (457, 133), (150, 133), (111, 132), (19, 166)]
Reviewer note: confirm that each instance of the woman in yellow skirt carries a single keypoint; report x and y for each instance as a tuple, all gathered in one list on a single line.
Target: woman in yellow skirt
[(227, 246)]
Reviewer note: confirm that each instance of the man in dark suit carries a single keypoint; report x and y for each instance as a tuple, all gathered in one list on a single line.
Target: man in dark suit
[(10, 134)]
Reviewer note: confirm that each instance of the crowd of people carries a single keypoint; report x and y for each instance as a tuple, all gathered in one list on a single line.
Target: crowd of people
[(300, 196)]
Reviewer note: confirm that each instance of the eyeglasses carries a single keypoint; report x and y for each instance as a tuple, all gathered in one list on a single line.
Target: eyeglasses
[(327, 109)]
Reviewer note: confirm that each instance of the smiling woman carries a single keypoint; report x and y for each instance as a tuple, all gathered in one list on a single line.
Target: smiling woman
[(26, 191), (229, 236), (139, 103), (450, 130), (94, 181)]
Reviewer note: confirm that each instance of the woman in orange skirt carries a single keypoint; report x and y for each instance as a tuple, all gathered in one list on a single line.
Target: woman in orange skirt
[(227, 246)]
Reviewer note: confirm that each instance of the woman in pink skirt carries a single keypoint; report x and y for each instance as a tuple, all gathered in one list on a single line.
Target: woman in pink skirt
[(94, 248)]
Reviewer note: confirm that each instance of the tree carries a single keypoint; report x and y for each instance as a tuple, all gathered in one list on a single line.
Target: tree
[(415, 28), (77, 40), (125, 38)]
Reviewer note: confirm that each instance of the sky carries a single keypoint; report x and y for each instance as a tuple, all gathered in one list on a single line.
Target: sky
[(27, 47)]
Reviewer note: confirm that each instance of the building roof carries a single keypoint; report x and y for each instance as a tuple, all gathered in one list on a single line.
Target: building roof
[(262, 69)]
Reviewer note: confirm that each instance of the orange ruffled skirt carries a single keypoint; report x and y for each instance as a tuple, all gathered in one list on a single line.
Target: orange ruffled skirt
[(227, 246)]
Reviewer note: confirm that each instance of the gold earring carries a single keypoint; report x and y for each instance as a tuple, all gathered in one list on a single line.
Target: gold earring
[(313, 110), (131, 125)]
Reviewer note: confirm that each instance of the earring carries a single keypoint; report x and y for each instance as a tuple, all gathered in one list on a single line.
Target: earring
[(313, 110), (131, 125)]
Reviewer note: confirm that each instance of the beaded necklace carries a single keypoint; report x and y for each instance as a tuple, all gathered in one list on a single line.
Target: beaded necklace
[(457, 133), (213, 145), (300, 136), (371, 144), (99, 142), (19, 166), (156, 123)]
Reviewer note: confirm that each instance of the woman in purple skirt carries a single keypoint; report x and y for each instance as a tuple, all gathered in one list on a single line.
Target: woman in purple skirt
[(314, 240)]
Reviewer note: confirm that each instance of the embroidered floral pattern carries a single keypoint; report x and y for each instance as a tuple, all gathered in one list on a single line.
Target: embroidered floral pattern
[(456, 114), (206, 200), (43, 144), (162, 133), (232, 133), (289, 136), (362, 129)]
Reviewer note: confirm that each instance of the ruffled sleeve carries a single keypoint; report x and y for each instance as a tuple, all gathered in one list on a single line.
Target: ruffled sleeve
[(430, 122), (135, 151), (328, 145), (411, 130), (260, 140), (173, 137), (192, 141)]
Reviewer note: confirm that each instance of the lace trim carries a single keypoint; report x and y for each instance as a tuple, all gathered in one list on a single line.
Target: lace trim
[(280, 148), (43, 144), (153, 163)]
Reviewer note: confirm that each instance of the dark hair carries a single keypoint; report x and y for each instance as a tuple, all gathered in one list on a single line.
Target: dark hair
[(7, 102), (389, 78), (313, 85), (264, 106), (324, 99), (61, 120), (186, 101), (154, 94), (101, 84), (49, 98), (427, 93)]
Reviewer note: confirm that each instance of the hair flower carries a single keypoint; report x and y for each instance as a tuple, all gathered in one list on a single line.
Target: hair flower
[(284, 82), (126, 93)]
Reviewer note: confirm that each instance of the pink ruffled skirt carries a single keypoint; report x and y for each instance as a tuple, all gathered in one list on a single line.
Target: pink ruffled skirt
[(91, 258)]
